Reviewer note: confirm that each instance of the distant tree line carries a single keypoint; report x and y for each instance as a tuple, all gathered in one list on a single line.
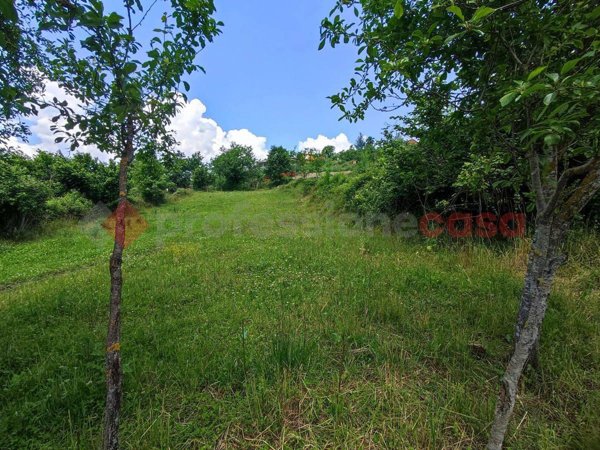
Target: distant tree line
[(49, 186), (395, 175), (386, 176)]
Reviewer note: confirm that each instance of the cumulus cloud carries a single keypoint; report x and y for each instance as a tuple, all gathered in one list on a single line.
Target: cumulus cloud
[(340, 142), (194, 131), (197, 133), (28, 149), (42, 133)]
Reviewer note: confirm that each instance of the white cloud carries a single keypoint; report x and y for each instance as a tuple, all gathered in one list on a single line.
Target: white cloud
[(340, 142), (40, 128), (194, 131), (197, 133), (28, 149)]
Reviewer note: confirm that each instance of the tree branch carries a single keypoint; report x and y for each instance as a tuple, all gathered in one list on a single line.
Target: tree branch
[(585, 191)]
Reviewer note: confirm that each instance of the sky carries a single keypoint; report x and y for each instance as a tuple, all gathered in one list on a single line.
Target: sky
[(266, 84)]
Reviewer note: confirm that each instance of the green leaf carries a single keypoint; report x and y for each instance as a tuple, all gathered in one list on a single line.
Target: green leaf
[(594, 14), (399, 9), (561, 108), (452, 37), (569, 65), (186, 85), (534, 88), (7, 9), (457, 12), (129, 67), (551, 139), (113, 20), (508, 98), (549, 98), (534, 73), (322, 44), (482, 12)]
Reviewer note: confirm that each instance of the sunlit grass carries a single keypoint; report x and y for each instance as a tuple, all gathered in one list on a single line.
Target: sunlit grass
[(256, 320)]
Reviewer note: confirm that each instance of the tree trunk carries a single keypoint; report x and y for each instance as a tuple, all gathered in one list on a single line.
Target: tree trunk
[(114, 373), (544, 259)]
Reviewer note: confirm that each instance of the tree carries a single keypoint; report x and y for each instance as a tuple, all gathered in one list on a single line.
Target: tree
[(201, 178), (178, 169), (301, 163), (127, 93), (22, 196), (360, 142), (328, 152), (522, 79), (149, 178), (315, 160), (235, 167), (20, 84), (278, 163)]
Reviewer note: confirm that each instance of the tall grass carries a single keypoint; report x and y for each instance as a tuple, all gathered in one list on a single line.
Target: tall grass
[(256, 320)]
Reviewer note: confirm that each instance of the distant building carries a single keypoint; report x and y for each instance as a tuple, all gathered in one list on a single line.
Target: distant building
[(412, 141)]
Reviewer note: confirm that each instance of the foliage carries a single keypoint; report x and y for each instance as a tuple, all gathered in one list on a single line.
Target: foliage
[(300, 163), (71, 205), (178, 169), (149, 178), (235, 168), (128, 92), (40, 188), (96, 181), (22, 196), (328, 152), (20, 83), (202, 178), (520, 80), (279, 162)]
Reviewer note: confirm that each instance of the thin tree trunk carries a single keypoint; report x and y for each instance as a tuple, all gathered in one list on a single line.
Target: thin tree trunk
[(544, 260), (544, 256), (114, 373)]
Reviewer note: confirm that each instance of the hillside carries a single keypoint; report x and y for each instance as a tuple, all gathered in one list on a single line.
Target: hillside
[(258, 320)]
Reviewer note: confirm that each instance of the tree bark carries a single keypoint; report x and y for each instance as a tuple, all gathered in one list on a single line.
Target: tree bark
[(544, 259), (114, 373)]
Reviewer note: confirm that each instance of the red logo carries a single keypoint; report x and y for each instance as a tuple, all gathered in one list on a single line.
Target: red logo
[(464, 224), (134, 224)]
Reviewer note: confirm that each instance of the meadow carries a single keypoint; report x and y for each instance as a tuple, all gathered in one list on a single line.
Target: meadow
[(262, 320)]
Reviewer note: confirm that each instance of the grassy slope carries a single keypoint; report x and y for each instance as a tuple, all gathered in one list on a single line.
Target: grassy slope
[(256, 320)]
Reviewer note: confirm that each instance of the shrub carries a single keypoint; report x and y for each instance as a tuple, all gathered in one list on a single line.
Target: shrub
[(22, 196), (201, 178), (279, 163), (235, 168), (149, 179), (71, 205)]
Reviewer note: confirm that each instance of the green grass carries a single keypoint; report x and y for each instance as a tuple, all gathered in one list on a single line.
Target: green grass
[(256, 320)]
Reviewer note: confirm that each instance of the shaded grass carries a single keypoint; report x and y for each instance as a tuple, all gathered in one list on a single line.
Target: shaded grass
[(254, 320)]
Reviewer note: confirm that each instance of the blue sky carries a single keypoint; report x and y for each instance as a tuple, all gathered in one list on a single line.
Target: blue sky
[(265, 73), (266, 83)]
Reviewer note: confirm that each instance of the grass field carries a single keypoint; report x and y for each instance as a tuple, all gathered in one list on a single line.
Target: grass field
[(257, 320)]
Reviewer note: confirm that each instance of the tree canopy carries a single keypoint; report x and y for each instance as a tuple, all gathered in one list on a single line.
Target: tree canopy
[(515, 82)]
